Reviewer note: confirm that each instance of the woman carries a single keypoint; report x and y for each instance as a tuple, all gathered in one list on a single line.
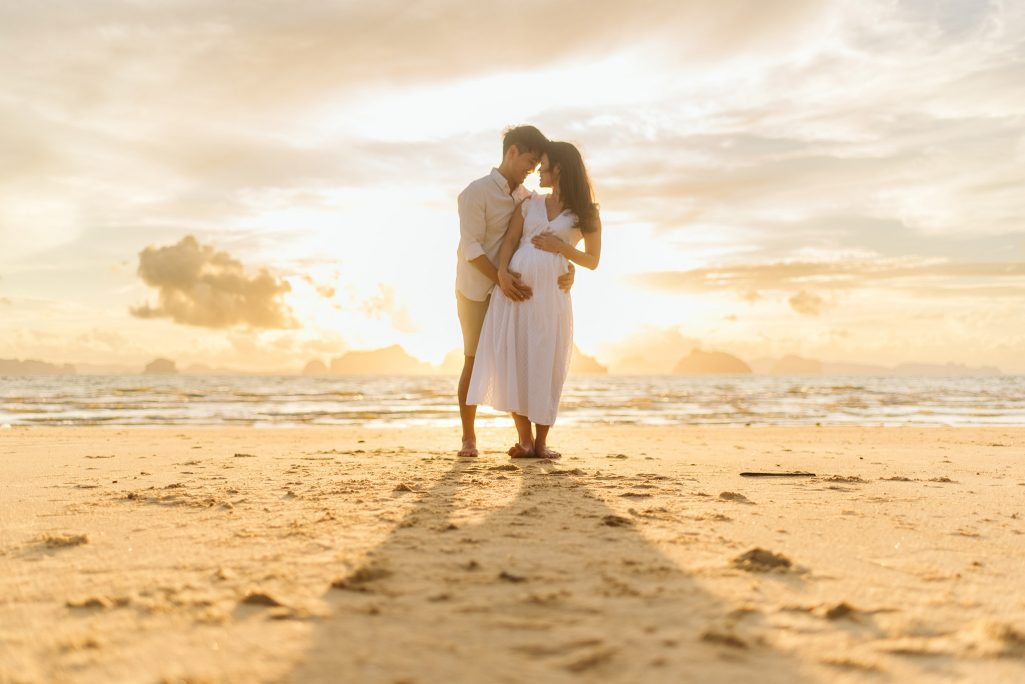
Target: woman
[(525, 346)]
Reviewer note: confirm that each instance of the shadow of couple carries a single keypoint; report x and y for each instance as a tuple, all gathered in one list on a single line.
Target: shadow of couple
[(520, 573)]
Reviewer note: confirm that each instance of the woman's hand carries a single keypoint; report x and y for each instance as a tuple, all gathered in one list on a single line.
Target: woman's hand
[(547, 242)]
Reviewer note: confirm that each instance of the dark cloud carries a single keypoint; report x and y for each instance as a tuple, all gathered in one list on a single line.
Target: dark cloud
[(198, 285)]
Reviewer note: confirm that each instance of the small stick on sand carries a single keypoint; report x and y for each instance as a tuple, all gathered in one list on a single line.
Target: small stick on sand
[(795, 473)]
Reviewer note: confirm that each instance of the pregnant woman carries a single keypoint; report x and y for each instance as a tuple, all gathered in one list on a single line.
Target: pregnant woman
[(525, 345)]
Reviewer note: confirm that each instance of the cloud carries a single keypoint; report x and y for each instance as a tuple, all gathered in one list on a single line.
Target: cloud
[(207, 104), (271, 55), (908, 274), (198, 285), (98, 340), (385, 305), (325, 290), (935, 174), (737, 132), (806, 303)]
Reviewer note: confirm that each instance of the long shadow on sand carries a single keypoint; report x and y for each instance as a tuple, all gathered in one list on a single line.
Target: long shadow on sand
[(551, 586)]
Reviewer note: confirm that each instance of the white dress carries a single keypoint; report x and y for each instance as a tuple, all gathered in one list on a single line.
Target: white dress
[(524, 350)]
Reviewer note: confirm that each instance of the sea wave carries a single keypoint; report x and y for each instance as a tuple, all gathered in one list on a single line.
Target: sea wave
[(430, 400)]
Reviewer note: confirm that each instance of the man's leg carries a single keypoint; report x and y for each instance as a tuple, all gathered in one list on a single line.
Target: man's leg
[(524, 448), (541, 449), (467, 413), (471, 320)]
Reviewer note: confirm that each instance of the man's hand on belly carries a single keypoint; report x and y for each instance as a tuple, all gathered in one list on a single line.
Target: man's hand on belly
[(513, 287), (567, 278)]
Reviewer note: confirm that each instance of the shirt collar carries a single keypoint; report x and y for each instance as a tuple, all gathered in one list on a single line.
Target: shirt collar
[(519, 194), (500, 180)]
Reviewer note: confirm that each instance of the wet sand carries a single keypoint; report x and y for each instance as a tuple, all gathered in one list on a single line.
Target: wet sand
[(297, 555)]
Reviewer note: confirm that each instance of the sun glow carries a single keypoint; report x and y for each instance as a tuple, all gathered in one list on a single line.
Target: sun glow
[(728, 142)]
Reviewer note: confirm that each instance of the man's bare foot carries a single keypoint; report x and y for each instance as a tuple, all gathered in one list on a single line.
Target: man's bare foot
[(545, 452), (519, 451), (469, 449)]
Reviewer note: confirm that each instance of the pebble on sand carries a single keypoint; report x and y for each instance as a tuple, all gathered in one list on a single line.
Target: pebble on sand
[(761, 560)]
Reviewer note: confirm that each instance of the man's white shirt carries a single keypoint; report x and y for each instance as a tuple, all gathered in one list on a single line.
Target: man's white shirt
[(485, 207)]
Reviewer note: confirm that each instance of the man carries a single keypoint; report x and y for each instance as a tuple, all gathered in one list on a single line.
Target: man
[(485, 207)]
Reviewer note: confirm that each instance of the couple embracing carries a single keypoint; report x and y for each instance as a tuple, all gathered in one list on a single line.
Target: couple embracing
[(518, 337)]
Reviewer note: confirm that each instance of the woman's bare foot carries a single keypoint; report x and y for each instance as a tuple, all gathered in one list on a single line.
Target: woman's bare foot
[(469, 449), (519, 451), (545, 452)]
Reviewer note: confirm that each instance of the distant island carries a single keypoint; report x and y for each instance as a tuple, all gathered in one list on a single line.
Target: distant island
[(582, 364), (700, 362), (160, 367), (395, 360), (796, 365), (33, 367), (315, 368)]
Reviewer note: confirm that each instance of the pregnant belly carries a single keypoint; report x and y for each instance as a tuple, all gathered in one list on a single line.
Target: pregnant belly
[(537, 268)]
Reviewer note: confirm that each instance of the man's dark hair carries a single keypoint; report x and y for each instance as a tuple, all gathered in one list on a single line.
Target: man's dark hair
[(526, 139)]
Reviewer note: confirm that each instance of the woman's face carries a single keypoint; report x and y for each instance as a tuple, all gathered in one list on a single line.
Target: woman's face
[(549, 175)]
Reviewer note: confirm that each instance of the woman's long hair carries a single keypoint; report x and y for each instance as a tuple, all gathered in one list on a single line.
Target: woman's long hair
[(574, 184)]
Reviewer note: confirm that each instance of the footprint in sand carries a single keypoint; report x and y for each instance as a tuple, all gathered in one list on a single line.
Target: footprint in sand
[(359, 580), (851, 479), (616, 521), (721, 638), (259, 598), (101, 602), (59, 541)]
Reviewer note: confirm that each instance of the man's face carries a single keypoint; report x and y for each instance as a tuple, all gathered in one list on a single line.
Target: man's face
[(524, 163)]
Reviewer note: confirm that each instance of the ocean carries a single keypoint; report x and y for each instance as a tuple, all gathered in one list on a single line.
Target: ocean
[(397, 401)]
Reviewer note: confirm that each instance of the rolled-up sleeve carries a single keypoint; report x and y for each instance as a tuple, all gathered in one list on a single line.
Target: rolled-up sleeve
[(471, 223)]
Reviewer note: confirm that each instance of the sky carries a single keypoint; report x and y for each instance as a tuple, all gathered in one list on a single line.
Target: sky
[(258, 184)]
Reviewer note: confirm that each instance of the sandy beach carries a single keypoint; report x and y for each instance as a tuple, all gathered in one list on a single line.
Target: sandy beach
[(360, 555)]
